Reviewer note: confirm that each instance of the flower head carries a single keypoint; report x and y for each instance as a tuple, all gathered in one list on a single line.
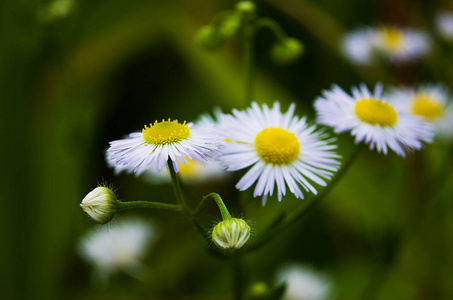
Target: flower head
[(158, 143), (100, 204), (303, 283), (444, 24), (231, 233), (120, 247), (371, 119), (398, 45), (431, 102), (281, 150)]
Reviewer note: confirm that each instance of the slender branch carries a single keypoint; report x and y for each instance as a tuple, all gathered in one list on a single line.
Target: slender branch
[(299, 214), (249, 62), (180, 199), (238, 276), (216, 197), (147, 204), (273, 26)]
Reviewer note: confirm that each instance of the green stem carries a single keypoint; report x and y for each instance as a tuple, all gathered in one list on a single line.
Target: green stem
[(249, 62), (182, 203), (216, 197), (273, 26), (147, 204), (238, 277), (297, 215)]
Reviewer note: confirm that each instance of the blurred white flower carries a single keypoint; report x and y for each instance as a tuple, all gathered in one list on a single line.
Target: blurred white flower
[(371, 119), (364, 46), (303, 283), (432, 102), (119, 247), (444, 24)]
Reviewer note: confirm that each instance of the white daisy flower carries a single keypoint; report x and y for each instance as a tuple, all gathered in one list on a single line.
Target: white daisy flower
[(119, 247), (371, 119), (444, 24), (430, 102), (364, 46), (156, 144), (281, 150), (303, 283)]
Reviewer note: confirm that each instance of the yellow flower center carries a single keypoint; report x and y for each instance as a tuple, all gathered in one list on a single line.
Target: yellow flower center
[(375, 112), (392, 38), (424, 105), (189, 169), (277, 146), (165, 132)]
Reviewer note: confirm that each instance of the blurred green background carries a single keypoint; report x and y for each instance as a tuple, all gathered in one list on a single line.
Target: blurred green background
[(75, 77)]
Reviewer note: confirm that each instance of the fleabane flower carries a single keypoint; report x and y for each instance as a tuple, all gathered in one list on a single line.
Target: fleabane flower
[(100, 204), (159, 142), (444, 24), (304, 283), (431, 102), (280, 149), (364, 46), (371, 119), (119, 247)]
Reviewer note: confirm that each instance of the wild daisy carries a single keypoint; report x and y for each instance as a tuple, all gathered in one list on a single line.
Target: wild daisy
[(444, 24), (304, 283), (430, 102), (363, 46), (371, 119), (159, 142), (280, 149), (120, 247)]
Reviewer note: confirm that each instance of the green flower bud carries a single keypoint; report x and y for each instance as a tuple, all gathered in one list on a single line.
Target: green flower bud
[(246, 9), (287, 51), (231, 233), (209, 38), (100, 204), (230, 26), (258, 290)]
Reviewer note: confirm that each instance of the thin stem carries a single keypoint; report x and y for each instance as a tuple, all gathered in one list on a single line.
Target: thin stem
[(249, 62), (299, 214), (238, 276), (273, 26), (180, 199), (147, 204), (216, 197)]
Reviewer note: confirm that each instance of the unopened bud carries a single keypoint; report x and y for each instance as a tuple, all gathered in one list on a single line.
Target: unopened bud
[(287, 51), (209, 38), (258, 290), (246, 9), (100, 204), (231, 233), (230, 26)]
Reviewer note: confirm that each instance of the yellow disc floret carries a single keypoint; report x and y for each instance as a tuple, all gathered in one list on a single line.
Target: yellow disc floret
[(392, 39), (277, 146), (375, 112), (165, 132), (424, 105)]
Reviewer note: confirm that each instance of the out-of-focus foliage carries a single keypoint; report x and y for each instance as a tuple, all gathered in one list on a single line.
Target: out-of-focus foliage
[(76, 74)]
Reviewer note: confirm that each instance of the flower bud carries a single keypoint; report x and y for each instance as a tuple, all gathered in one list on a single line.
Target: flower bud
[(209, 38), (231, 233), (100, 204), (258, 290), (246, 9), (230, 26), (286, 51)]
